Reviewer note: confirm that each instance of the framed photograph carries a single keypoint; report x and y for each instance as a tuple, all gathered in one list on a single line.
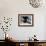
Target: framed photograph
[(25, 20)]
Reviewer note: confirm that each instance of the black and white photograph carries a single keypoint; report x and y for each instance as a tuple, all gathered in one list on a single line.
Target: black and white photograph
[(25, 19)]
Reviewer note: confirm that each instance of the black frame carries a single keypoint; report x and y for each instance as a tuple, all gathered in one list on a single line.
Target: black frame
[(26, 15)]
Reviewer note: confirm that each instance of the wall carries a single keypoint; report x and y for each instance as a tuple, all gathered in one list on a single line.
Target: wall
[(11, 8)]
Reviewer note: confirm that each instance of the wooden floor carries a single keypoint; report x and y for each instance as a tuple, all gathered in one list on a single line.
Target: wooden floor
[(26, 43), (3, 43)]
